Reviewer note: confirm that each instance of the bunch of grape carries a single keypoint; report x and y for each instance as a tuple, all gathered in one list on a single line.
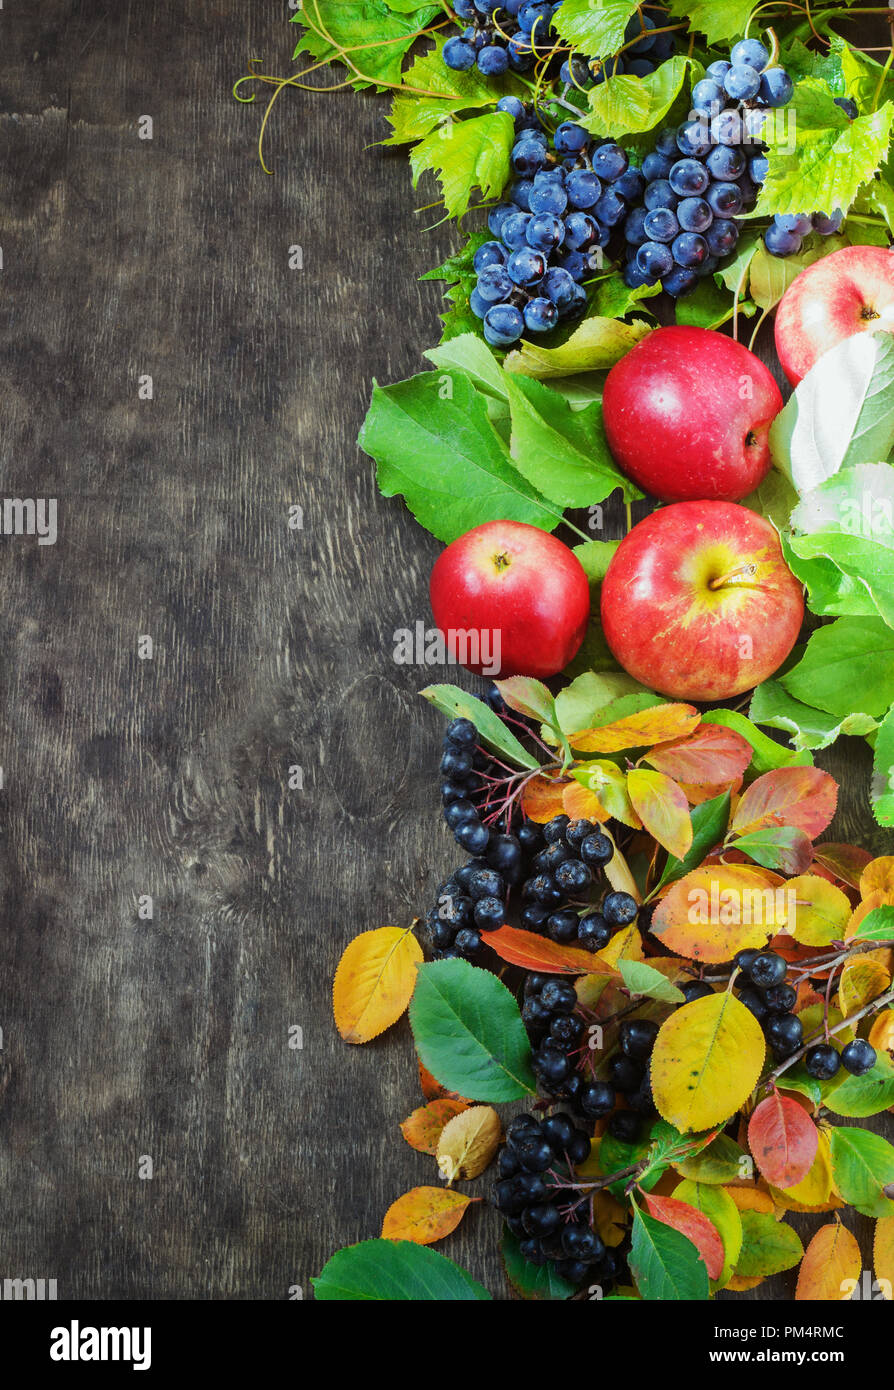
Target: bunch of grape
[(703, 173), (568, 195), (771, 999), (638, 60), (551, 1226), (496, 40)]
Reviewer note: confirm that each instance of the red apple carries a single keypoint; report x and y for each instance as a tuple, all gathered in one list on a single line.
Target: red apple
[(851, 291), (520, 593), (687, 413), (698, 602)]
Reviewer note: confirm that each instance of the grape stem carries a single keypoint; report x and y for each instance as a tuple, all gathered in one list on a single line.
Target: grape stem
[(867, 1009)]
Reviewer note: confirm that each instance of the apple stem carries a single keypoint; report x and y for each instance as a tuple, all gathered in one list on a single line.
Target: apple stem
[(731, 575)]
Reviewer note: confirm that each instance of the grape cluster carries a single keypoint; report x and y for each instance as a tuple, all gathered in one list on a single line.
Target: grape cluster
[(496, 40), (704, 172), (568, 195), (538, 1210), (771, 999)]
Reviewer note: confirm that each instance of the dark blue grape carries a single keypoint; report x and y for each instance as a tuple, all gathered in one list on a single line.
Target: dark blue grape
[(610, 162), (503, 325), (689, 250), (514, 232), (548, 196), (545, 232), (634, 227), (493, 61), (749, 53), (708, 97), (497, 216), (581, 231), (661, 225), (688, 178), (658, 166), (722, 236), (693, 138), (780, 242), (694, 215), (776, 89), (610, 209), (827, 225), (742, 82), (679, 282), (558, 286), (582, 188), (526, 266), (758, 167), (570, 138), (660, 195), (540, 315), (726, 162), (491, 253), (724, 199), (494, 284), (655, 259), (630, 185), (458, 54)]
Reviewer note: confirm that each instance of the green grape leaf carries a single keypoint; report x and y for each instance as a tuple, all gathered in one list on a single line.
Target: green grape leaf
[(825, 164), (434, 443), (849, 519), (594, 27), (394, 1270), (466, 155), (596, 345), (721, 21), (564, 450), (625, 105), (469, 1032), (664, 1263), (366, 35), (470, 355), (432, 93), (848, 655)]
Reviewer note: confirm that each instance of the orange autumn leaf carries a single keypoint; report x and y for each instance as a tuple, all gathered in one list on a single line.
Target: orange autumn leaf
[(804, 797), (883, 1255), (881, 1034), (783, 1140), (468, 1142), (710, 755), (740, 1283), (608, 784), (693, 1224), (422, 1129), (374, 981), (831, 1261), (845, 862), (541, 799), (657, 725), (581, 804), (750, 1198), (425, 1214), (433, 1090), (878, 877), (532, 951), (663, 809), (718, 910), (696, 795)]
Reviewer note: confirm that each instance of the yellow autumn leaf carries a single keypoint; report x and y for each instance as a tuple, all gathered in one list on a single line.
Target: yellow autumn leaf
[(609, 1217), (422, 1129), (740, 1283), (374, 981), (820, 911), (657, 725), (878, 877), (468, 1142), (720, 909), (883, 1255), (831, 1261), (881, 1034), (707, 1060), (862, 980), (617, 871), (626, 944), (425, 1214), (663, 809), (814, 1192)]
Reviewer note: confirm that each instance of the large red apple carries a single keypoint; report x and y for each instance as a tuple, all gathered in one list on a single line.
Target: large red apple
[(516, 591), (687, 413), (851, 291), (698, 602)]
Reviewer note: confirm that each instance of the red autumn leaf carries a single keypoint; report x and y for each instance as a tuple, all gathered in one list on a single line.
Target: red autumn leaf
[(846, 862), (663, 809), (783, 1140), (804, 797), (709, 756), (657, 725), (693, 1224), (533, 952)]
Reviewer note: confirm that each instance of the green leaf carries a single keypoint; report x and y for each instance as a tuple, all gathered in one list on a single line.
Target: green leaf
[(394, 1270), (847, 656), (434, 443), (613, 299), (597, 344), (594, 27), (645, 980), (877, 925), (469, 1032), (458, 704), (767, 753), (615, 1155), (581, 702), (594, 655), (862, 1166), (882, 792), (832, 593), (840, 415), (772, 705), (466, 155), (722, 1161), (708, 306), (768, 1245), (664, 1263), (783, 848), (529, 697), (774, 498), (770, 276), (367, 35), (623, 105), (865, 80), (719, 20), (530, 1281), (849, 519), (832, 156), (415, 112), (563, 452), (469, 355), (857, 1097), (709, 822)]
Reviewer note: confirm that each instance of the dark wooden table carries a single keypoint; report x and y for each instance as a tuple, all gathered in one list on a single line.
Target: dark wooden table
[(130, 1041)]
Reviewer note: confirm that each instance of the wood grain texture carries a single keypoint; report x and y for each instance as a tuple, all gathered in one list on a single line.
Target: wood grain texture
[(272, 649)]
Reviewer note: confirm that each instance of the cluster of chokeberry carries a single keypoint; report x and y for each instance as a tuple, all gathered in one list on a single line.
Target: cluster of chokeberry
[(537, 1158), (771, 999), (569, 856)]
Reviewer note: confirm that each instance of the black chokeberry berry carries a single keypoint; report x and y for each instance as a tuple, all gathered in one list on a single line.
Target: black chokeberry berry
[(695, 989), (530, 837), (462, 732), (554, 830), (596, 850), (637, 1037), (624, 1125), (566, 1029), (533, 916), (489, 914), (562, 926), (781, 997), (593, 932), (558, 996), (624, 1073), (619, 909), (821, 1061), (549, 859), (456, 762), (858, 1057), (577, 831), (459, 811), (784, 1033), (541, 1220), (559, 1129), (472, 836), (744, 959), (539, 889), (573, 876), (767, 970), (504, 853), (534, 1153), (486, 883), (597, 1099), (755, 1002)]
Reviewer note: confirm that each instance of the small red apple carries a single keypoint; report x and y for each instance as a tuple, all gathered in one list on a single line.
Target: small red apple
[(522, 594), (851, 291), (698, 602), (687, 413)]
